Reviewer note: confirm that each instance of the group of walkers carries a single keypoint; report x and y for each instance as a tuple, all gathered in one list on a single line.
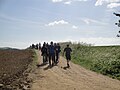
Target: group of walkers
[(51, 53), (36, 46)]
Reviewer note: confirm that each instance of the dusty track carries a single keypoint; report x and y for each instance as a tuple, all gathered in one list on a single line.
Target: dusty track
[(75, 78)]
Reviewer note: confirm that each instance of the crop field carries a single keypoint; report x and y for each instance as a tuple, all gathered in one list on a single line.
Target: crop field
[(101, 59), (12, 64)]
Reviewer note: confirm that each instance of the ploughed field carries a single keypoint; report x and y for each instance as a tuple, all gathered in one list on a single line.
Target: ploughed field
[(12, 65)]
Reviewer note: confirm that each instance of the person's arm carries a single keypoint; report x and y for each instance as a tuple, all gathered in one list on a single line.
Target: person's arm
[(55, 50), (42, 49), (59, 49)]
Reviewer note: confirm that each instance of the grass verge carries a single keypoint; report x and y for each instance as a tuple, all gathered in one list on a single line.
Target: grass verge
[(101, 59)]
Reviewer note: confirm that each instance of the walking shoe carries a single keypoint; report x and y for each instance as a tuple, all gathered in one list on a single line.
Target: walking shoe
[(68, 65)]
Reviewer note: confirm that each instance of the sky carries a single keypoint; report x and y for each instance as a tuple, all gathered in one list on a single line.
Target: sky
[(23, 22)]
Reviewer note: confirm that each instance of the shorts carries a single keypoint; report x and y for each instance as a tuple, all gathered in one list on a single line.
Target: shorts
[(68, 57)]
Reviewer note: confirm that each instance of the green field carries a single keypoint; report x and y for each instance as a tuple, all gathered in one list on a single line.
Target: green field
[(101, 59)]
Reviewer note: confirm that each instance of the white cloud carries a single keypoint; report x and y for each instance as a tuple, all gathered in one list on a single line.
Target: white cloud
[(101, 2), (56, 23), (57, 1), (98, 2), (74, 27), (110, 3), (88, 21), (62, 22), (68, 2)]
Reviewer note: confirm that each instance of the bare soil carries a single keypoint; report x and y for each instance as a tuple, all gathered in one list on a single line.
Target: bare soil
[(13, 69), (73, 78)]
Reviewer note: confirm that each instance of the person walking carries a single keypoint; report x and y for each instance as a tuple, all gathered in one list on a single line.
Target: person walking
[(39, 46), (57, 52), (67, 52), (47, 46), (44, 53), (51, 50)]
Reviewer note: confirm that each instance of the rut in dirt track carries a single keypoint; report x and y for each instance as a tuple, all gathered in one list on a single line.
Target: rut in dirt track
[(75, 78)]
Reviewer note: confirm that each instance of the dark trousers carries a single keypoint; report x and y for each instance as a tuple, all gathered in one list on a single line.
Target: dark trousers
[(57, 57), (51, 57), (68, 56), (45, 58)]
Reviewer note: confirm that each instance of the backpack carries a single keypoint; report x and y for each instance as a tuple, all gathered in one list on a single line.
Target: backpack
[(44, 50), (51, 49), (57, 49)]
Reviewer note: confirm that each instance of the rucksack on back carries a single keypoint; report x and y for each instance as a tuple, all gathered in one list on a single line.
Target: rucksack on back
[(51, 49)]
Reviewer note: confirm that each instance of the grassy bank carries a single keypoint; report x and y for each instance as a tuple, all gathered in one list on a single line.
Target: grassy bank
[(101, 59), (32, 66)]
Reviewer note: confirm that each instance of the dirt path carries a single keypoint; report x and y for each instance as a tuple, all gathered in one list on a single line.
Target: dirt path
[(75, 78)]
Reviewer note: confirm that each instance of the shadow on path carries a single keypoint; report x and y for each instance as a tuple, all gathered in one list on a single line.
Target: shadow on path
[(40, 65), (65, 67), (48, 67)]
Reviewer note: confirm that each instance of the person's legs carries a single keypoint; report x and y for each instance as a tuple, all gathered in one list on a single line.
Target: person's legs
[(53, 59), (50, 60), (57, 56), (43, 58), (68, 57), (56, 60), (68, 65), (46, 58)]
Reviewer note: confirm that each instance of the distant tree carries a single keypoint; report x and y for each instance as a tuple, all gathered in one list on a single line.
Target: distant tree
[(118, 24)]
